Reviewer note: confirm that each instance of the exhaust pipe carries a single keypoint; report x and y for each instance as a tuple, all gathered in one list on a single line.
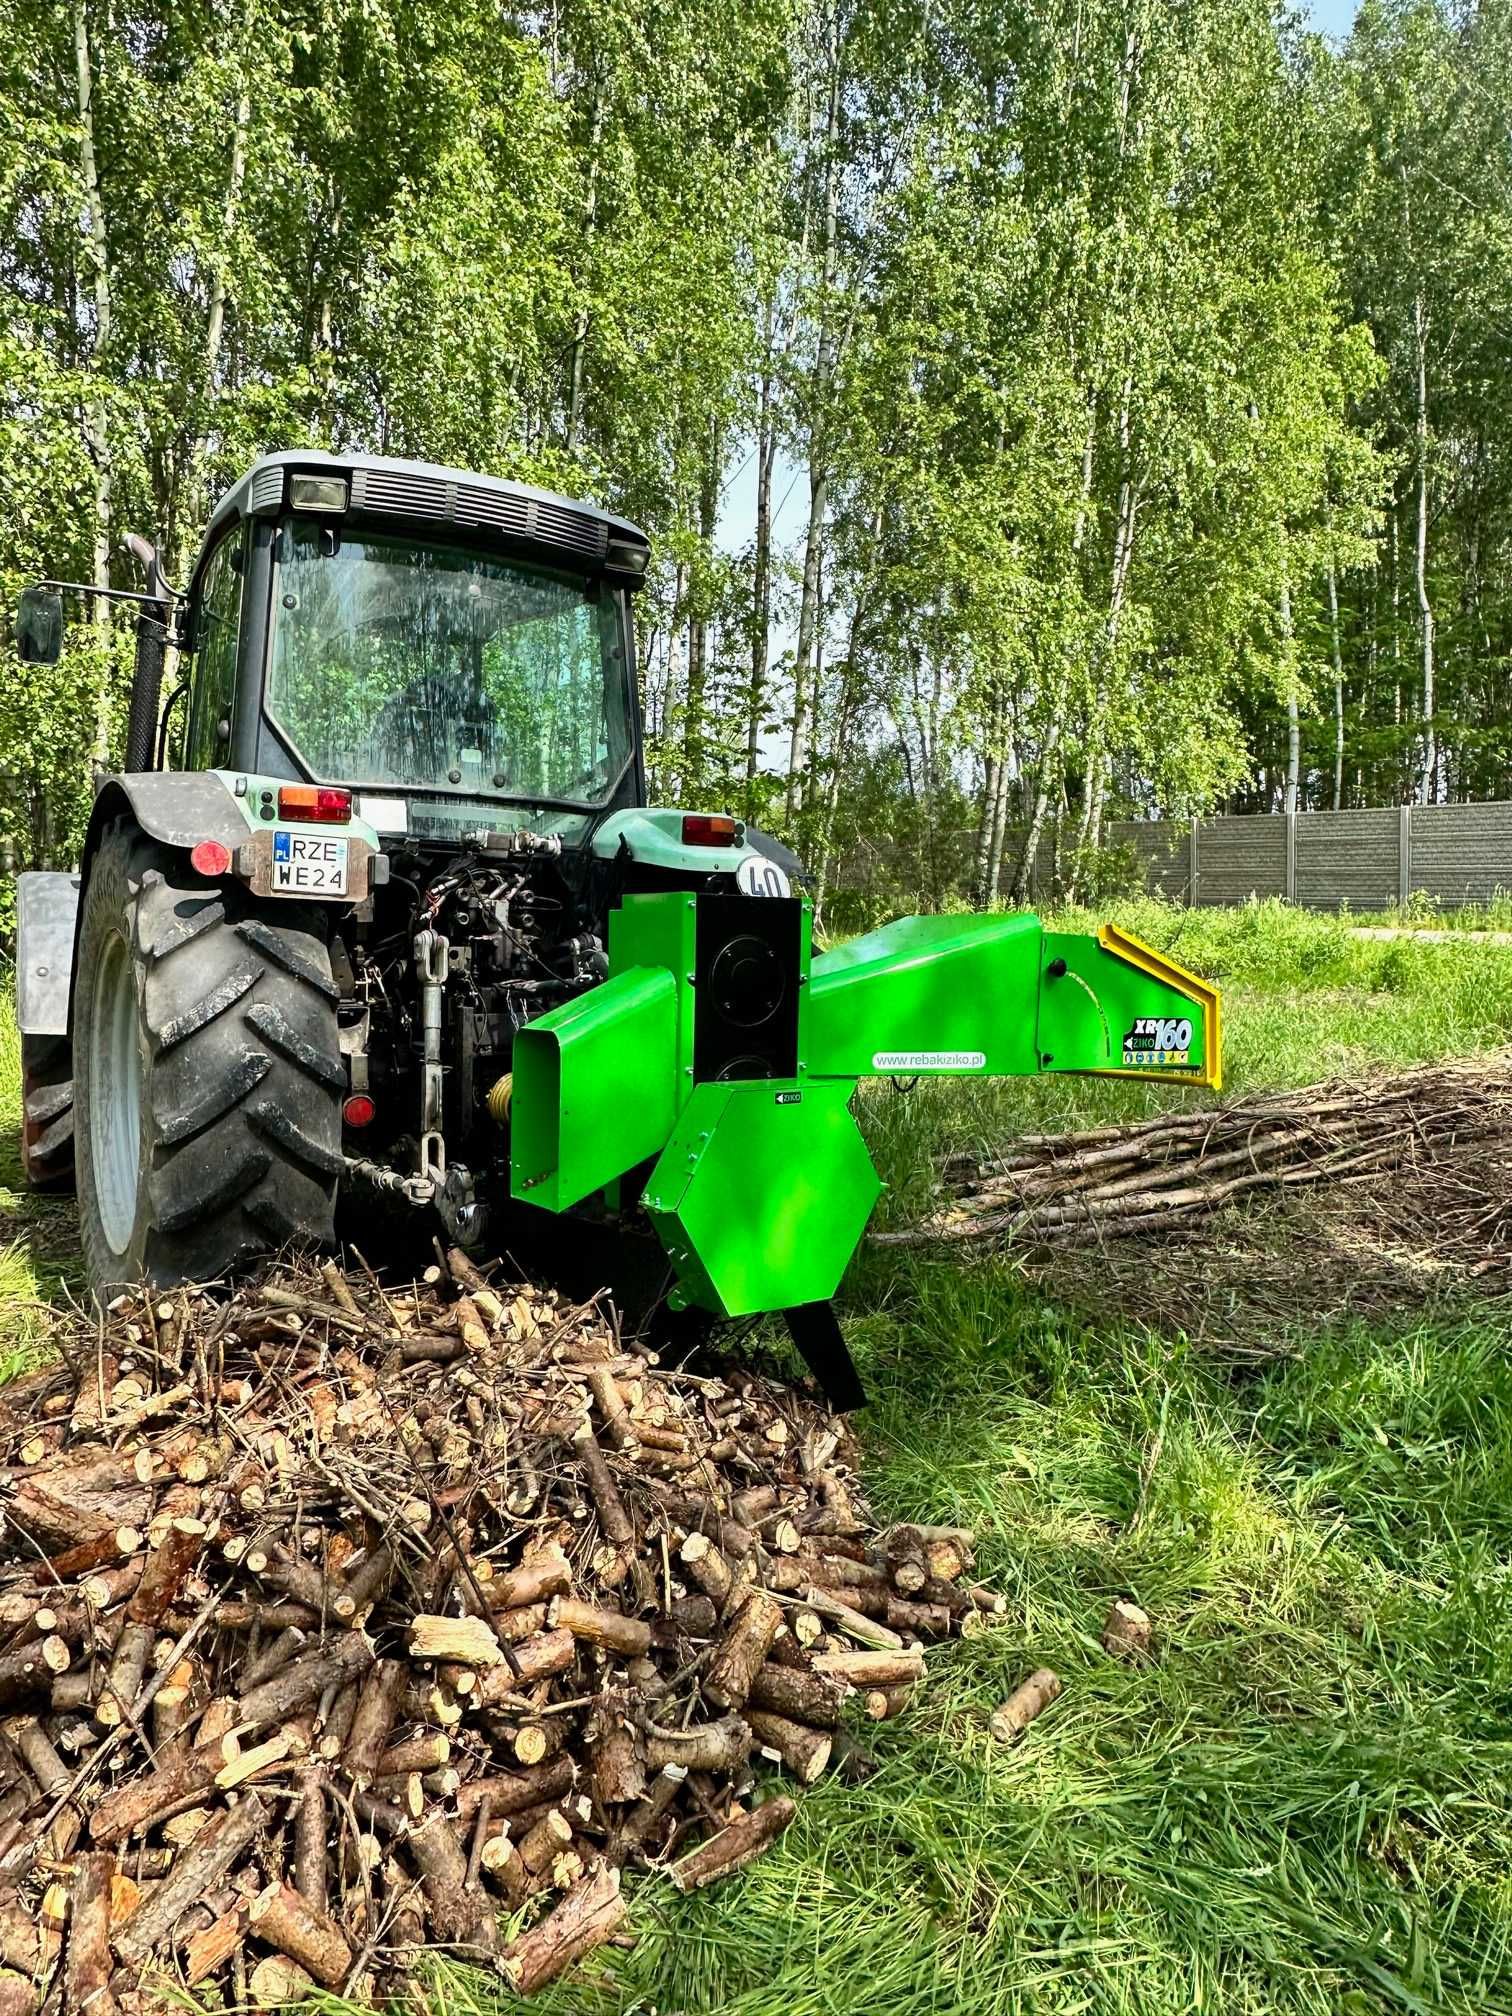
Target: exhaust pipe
[(151, 647)]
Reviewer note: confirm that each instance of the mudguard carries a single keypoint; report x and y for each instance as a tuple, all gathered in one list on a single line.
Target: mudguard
[(178, 807), (652, 837), (47, 913)]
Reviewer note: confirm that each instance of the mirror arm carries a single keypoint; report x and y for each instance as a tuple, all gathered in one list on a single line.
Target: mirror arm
[(109, 594)]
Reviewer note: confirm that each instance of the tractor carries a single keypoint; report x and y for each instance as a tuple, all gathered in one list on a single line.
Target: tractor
[(402, 924)]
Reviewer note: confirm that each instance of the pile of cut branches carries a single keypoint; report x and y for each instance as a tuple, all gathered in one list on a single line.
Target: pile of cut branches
[(336, 1623), (1433, 1143)]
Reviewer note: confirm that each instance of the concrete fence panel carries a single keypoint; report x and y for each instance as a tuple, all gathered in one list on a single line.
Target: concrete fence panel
[(1367, 860), (1461, 853), (1347, 858), (1163, 850), (1241, 857)]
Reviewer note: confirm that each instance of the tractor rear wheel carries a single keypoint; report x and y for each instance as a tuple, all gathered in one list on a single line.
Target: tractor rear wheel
[(47, 1112), (207, 1072)]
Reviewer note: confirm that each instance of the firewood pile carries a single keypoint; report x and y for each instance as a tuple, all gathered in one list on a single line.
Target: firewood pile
[(1428, 1147), (338, 1624)]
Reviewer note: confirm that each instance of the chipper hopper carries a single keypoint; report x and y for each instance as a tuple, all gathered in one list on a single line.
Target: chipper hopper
[(402, 921)]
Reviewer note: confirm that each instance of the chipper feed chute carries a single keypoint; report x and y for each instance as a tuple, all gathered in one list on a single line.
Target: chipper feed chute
[(722, 1049)]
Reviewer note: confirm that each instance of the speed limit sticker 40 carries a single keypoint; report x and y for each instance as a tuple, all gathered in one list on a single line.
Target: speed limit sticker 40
[(757, 876)]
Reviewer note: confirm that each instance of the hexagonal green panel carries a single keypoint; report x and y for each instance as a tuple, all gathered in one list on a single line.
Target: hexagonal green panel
[(761, 1195)]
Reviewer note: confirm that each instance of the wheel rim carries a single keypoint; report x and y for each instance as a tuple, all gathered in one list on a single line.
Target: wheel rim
[(115, 1085)]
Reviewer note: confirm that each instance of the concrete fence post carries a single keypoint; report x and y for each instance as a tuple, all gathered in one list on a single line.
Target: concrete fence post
[(1291, 857), (1194, 868), (1404, 854)]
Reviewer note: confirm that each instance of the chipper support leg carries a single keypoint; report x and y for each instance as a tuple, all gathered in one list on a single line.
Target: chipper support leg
[(815, 1330)]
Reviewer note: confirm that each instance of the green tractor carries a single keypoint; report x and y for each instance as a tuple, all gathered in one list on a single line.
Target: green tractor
[(404, 923)]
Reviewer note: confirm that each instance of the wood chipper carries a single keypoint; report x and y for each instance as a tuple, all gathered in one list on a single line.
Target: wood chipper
[(404, 920)]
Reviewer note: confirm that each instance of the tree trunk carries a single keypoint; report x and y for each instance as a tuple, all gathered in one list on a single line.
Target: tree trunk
[(808, 606), (1023, 874), (847, 707), (927, 715), (761, 564), (325, 324), (1429, 787), (991, 767), (1007, 764), (215, 319), (1338, 672), (1482, 704), (185, 510), (995, 786), (672, 677), (580, 333), (1293, 723), (1090, 834), (807, 627), (1372, 661), (698, 625), (96, 426)]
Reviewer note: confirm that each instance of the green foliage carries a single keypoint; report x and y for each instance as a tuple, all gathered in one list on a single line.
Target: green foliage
[(1109, 356)]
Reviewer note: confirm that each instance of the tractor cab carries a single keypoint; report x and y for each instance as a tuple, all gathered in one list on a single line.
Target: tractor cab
[(454, 643)]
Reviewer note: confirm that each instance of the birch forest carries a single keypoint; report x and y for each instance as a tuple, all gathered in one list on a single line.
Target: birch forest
[(1044, 414)]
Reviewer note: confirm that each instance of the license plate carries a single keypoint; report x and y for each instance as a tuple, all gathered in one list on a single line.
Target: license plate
[(305, 864)]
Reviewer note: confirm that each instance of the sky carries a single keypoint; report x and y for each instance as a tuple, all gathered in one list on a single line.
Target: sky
[(1331, 16)]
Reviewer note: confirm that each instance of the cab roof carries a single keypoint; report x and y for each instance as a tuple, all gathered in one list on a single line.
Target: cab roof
[(384, 486)]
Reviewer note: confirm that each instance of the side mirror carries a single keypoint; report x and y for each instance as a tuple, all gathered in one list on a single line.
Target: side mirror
[(39, 626)]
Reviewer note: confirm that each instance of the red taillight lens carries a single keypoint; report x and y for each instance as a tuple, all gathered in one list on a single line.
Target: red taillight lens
[(314, 801), (708, 829), (210, 857), (358, 1110)]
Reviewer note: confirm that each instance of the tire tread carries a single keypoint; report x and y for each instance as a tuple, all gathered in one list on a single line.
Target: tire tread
[(242, 1109)]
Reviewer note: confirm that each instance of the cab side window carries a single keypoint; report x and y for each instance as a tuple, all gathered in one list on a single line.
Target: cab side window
[(217, 631)]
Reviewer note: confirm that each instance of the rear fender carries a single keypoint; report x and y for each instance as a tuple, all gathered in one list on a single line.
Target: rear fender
[(177, 807)]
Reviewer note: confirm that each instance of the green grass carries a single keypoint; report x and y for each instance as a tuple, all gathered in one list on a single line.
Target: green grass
[(1304, 1806)]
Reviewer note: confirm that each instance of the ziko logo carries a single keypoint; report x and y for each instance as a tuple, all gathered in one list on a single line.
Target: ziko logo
[(1158, 1042)]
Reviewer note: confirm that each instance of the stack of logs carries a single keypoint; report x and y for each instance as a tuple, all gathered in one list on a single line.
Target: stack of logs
[(338, 1623)]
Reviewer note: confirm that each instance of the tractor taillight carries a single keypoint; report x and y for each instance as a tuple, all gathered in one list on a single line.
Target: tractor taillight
[(314, 801), (708, 829), (358, 1111), (210, 857)]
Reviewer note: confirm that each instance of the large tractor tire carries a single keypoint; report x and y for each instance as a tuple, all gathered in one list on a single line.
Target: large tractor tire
[(47, 1112), (207, 1072)]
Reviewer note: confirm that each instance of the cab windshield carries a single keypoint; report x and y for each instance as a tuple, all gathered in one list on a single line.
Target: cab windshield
[(438, 667)]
